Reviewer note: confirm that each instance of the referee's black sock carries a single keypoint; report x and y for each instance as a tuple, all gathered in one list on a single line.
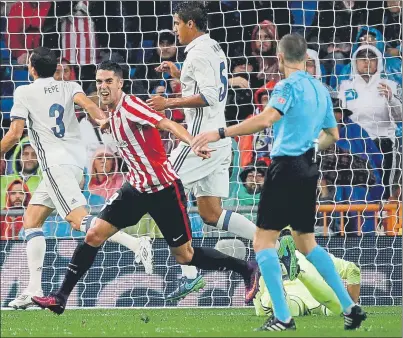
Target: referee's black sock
[(82, 259), (212, 259)]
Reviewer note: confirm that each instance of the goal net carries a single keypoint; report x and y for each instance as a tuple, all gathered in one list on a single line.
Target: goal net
[(359, 190)]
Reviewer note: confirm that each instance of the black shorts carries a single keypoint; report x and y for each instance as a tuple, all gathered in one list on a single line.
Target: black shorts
[(167, 207), (289, 194)]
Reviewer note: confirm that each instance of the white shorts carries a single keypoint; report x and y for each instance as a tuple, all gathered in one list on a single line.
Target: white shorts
[(60, 189), (203, 177)]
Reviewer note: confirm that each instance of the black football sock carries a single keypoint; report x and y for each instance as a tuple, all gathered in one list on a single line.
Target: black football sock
[(82, 259), (212, 259)]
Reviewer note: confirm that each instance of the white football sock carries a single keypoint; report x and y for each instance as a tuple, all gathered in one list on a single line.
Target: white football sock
[(237, 224), (36, 248), (132, 243), (87, 222), (189, 271)]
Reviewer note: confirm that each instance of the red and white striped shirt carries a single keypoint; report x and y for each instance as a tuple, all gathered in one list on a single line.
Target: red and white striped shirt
[(140, 145), (79, 44)]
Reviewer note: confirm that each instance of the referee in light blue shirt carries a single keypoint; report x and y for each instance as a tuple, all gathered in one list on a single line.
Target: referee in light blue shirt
[(301, 112)]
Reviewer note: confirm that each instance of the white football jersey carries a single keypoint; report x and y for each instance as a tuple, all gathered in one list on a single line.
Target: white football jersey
[(53, 129), (205, 72)]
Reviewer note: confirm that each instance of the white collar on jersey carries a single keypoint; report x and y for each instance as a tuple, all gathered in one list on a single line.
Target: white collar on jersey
[(196, 41), (40, 79)]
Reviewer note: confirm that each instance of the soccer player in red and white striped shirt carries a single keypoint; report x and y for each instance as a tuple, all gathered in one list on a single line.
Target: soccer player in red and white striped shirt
[(152, 187), (133, 126)]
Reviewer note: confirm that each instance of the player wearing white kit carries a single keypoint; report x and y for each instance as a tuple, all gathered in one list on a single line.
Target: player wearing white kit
[(54, 133), (204, 81)]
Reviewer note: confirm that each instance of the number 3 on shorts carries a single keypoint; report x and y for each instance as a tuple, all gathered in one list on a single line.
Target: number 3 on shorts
[(110, 200)]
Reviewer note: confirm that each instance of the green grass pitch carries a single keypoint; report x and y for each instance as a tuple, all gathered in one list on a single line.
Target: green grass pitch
[(225, 322)]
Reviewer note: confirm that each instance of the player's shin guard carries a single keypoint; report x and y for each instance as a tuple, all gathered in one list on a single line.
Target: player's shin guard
[(211, 259), (325, 266), (82, 259), (36, 248)]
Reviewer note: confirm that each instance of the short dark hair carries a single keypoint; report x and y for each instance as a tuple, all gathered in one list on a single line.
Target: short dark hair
[(260, 167), (112, 66), (44, 62), (165, 35), (366, 53), (294, 47), (195, 11)]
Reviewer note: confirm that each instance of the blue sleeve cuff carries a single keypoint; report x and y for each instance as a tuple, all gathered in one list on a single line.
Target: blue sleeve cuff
[(17, 118)]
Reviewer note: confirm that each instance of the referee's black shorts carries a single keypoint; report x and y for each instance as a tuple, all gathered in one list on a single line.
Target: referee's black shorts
[(289, 194), (167, 207)]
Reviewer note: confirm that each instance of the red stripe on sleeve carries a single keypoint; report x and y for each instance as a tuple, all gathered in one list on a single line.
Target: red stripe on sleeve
[(133, 152), (140, 115), (145, 106)]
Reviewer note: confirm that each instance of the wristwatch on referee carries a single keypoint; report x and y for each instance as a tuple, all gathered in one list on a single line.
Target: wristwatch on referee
[(221, 132)]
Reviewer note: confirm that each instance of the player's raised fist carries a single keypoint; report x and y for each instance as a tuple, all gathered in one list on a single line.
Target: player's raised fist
[(170, 68), (158, 103)]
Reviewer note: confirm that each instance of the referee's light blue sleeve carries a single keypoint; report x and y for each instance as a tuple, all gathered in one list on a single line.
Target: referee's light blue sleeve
[(330, 120), (281, 98)]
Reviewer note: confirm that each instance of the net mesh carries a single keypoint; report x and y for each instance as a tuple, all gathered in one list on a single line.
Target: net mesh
[(359, 215)]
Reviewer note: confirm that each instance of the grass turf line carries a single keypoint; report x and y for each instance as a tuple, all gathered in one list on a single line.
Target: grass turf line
[(226, 322)]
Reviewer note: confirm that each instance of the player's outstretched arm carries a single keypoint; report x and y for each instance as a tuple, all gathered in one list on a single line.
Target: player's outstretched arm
[(247, 127), (208, 95), (160, 103), (181, 133), (328, 137), (12, 136), (89, 106)]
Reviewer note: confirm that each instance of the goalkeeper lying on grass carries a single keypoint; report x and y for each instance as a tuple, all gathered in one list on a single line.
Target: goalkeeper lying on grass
[(308, 293)]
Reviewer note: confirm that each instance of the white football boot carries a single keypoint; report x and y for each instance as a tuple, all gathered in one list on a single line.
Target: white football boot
[(24, 301)]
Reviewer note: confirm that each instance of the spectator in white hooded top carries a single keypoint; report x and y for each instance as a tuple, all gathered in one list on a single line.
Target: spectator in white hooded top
[(376, 103), (313, 64)]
